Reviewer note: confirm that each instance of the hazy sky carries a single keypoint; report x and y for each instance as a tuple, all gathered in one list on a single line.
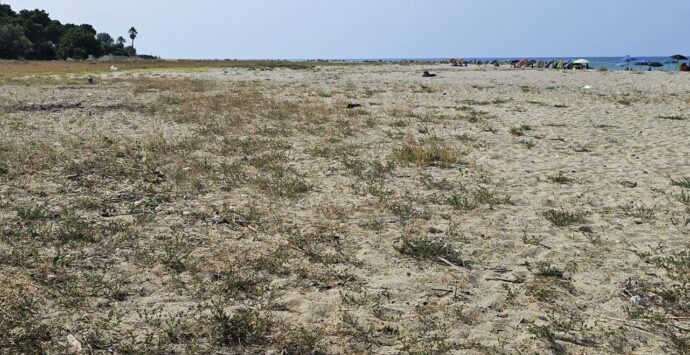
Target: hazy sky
[(258, 29)]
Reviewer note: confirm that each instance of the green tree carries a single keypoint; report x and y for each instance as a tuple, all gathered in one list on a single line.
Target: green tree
[(107, 42), (133, 34), (79, 43), (6, 11), (105, 38), (13, 42)]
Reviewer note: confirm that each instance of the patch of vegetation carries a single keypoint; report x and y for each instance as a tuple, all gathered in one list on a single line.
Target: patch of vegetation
[(563, 218), (424, 249), (519, 131), (546, 269), (369, 171), (529, 144), (667, 302), (245, 327), (427, 155), (682, 182), (423, 89), (637, 210), (560, 178), (285, 183), (532, 240), (471, 200)]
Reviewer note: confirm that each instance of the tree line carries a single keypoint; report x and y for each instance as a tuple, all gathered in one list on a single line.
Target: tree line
[(32, 34)]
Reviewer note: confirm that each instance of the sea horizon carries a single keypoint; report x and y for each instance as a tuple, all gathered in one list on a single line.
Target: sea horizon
[(596, 62)]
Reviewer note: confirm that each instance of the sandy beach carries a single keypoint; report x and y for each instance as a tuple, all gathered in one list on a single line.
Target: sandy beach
[(249, 210)]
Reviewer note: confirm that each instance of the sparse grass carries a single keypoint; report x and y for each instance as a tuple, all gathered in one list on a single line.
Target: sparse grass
[(529, 144), (284, 182), (423, 89), (432, 250), (560, 178), (667, 301), (427, 155), (471, 200), (10, 68), (563, 218), (682, 182), (639, 211), (546, 269), (246, 327), (242, 208), (519, 131), (532, 240)]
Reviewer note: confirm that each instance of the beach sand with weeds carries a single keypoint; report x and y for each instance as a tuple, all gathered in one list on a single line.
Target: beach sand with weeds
[(246, 209)]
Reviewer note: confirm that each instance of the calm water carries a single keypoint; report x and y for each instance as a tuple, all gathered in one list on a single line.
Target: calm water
[(611, 63)]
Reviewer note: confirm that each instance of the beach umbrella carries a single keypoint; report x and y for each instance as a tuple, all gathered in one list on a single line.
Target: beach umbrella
[(670, 62), (628, 59), (655, 64), (679, 57), (581, 61)]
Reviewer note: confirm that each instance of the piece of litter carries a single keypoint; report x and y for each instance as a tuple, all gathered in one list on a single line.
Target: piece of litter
[(587, 87), (75, 345), (638, 301)]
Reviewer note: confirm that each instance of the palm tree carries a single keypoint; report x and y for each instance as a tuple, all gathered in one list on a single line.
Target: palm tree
[(133, 35)]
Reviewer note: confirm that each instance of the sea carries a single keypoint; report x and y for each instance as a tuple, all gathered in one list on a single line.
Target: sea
[(610, 63)]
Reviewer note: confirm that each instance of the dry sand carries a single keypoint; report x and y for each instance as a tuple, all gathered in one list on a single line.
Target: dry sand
[(242, 210)]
